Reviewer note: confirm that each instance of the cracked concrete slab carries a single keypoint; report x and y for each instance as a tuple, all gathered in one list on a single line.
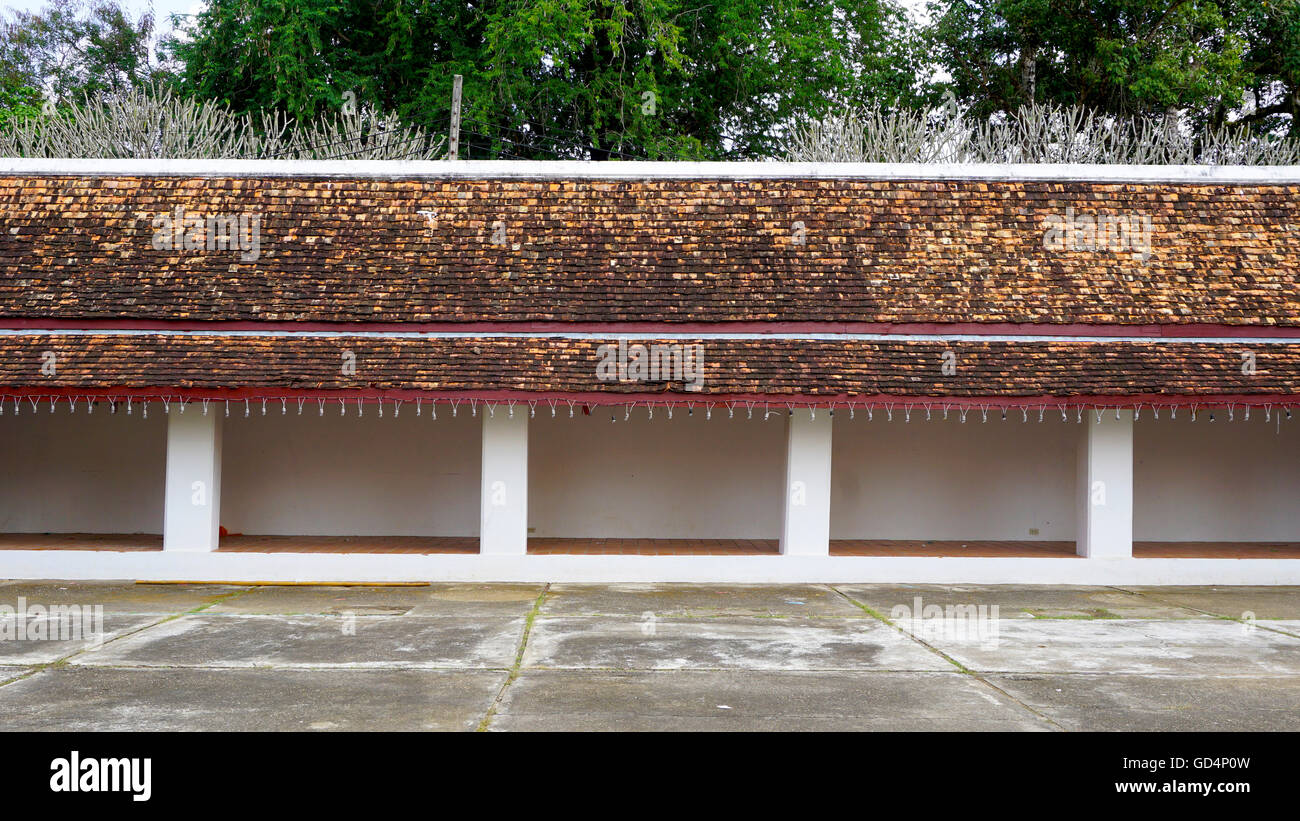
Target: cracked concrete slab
[(1286, 626), (467, 600), (118, 597), (62, 636), (743, 644), (1231, 602), (1019, 602), (736, 701), (1160, 703), (649, 657), (99, 699), (1194, 647), (317, 641), (699, 601), (11, 673)]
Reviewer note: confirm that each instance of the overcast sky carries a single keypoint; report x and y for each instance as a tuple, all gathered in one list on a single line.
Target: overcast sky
[(161, 7)]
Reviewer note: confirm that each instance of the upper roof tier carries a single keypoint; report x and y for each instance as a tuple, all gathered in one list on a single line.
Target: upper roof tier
[(648, 243)]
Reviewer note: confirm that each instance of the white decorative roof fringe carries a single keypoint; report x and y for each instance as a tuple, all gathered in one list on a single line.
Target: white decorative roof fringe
[(961, 406)]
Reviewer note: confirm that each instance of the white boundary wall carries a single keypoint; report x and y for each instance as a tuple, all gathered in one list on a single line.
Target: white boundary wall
[(642, 478), (308, 475), (996, 480), (1209, 481), (96, 473), (67, 462), (332, 475)]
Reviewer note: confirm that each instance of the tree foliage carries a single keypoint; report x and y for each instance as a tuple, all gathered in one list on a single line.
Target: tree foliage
[(1194, 60), (18, 103), (74, 48), (597, 78), (674, 78), (1271, 29)]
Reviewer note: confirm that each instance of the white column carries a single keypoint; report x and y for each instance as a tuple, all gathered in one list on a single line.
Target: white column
[(504, 493), (192, 501), (1105, 486), (806, 530)]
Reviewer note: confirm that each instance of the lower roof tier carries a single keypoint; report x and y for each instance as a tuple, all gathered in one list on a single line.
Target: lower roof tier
[(60, 362)]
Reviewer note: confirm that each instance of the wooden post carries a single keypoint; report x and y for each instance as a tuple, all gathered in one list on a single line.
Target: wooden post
[(453, 140)]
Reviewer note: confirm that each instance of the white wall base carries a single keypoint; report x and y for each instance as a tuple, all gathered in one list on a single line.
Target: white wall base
[(327, 567)]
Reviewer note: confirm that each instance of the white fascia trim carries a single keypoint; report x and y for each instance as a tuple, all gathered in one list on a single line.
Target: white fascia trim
[(572, 169), (650, 335), (374, 567)]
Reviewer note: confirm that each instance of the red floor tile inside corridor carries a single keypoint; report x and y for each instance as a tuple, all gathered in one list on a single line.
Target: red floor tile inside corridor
[(648, 547), (80, 541), (1216, 550), (654, 547), (349, 544), (937, 548)]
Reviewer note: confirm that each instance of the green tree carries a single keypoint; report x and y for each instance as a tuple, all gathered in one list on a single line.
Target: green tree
[(1119, 56), (598, 78), (17, 102), (1271, 29), (671, 78), (297, 56), (72, 49)]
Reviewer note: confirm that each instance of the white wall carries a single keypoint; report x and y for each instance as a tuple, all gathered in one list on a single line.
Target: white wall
[(684, 478), (328, 475), (671, 479), (994, 480), (82, 473), (1215, 481)]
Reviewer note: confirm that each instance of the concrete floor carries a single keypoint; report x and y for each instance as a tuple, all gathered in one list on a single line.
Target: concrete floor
[(658, 657)]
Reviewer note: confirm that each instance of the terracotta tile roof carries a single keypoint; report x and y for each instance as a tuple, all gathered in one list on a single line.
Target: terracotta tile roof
[(553, 365), (655, 250)]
